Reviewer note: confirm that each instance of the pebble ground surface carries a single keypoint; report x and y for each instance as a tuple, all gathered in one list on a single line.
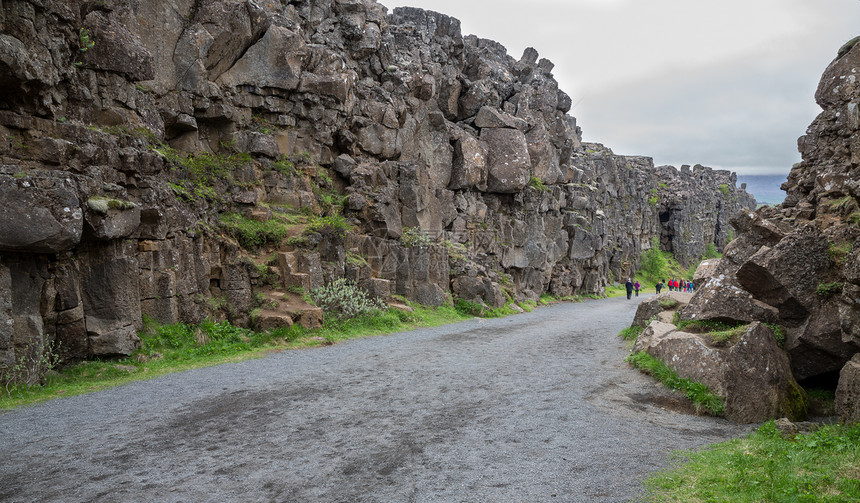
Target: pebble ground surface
[(537, 407)]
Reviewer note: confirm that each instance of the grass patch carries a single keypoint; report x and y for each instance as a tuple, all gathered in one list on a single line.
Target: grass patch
[(202, 176), (668, 303), (702, 397), (177, 347), (631, 333), (415, 237), (827, 290), (536, 184), (252, 234), (765, 466)]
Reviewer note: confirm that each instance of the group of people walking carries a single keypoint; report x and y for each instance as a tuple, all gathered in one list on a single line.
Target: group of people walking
[(675, 285), (679, 285)]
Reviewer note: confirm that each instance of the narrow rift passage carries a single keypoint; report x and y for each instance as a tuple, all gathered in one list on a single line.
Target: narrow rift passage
[(534, 407)]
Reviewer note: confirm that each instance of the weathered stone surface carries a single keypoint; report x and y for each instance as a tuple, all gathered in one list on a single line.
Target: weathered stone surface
[(118, 50), (106, 221), (489, 117), (111, 299), (848, 392), (39, 215), (722, 299), (274, 61), (469, 169), (272, 321), (508, 162), (752, 375)]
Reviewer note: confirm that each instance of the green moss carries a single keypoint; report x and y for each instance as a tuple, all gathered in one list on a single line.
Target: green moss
[(724, 189), (846, 48), (795, 405), (101, 204), (536, 184)]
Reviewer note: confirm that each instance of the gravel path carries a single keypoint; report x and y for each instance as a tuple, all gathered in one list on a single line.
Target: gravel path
[(530, 408)]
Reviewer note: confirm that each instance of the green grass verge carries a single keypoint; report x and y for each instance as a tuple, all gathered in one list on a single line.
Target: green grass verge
[(173, 348), (698, 393), (631, 333), (823, 466)]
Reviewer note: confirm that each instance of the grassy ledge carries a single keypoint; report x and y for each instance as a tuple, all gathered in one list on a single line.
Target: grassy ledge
[(703, 398), (823, 466)]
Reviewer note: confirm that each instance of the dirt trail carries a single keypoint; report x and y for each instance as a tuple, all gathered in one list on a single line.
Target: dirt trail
[(534, 407)]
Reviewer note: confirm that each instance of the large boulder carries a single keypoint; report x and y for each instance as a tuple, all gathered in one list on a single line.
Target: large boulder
[(848, 392), (115, 48), (722, 299), (39, 214), (508, 160), (751, 373)]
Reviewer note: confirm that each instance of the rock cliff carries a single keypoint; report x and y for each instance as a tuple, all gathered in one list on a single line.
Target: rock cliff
[(180, 159), (798, 264)]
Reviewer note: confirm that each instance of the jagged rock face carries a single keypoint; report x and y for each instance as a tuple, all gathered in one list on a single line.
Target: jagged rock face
[(796, 265), (412, 123), (696, 212)]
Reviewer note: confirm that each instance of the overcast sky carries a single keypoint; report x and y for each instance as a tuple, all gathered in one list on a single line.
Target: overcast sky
[(724, 83)]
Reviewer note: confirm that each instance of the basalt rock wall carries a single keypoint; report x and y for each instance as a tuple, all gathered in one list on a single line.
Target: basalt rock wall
[(798, 265), (129, 129)]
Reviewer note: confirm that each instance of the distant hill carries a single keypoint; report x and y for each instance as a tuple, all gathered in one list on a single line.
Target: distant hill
[(765, 188)]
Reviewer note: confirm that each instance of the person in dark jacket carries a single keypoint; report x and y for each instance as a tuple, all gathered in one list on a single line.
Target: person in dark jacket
[(659, 285), (629, 286)]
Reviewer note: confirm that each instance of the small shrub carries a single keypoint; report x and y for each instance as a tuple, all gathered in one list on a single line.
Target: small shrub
[(779, 332), (827, 290), (331, 226), (344, 299), (536, 184), (415, 236), (85, 40), (252, 234), (469, 308), (724, 189), (710, 252), (285, 167), (653, 261), (355, 260), (30, 366), (456, 251), (839, 252)]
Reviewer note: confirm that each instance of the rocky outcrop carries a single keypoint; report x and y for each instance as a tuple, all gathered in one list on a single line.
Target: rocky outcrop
[(750, 371), (796, 265), (848, 392), (130, 130)]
